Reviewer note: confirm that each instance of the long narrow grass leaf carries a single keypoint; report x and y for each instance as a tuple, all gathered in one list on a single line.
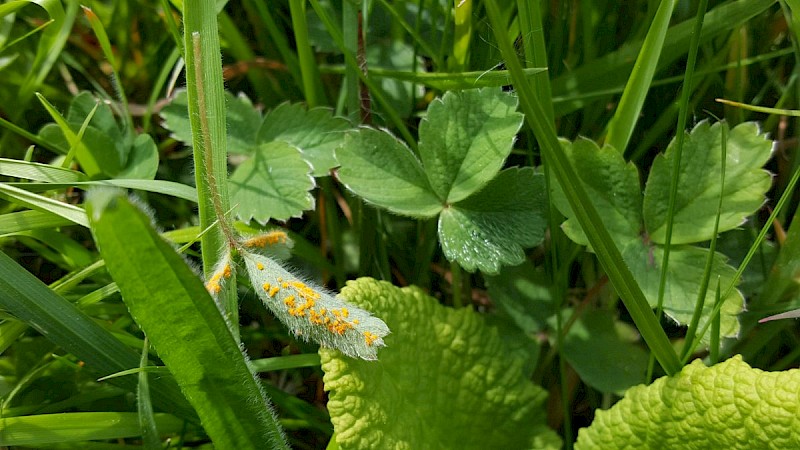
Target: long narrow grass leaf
[(30, 200), (170, 303), (622, 124), (33, 303), (48, 429), (587, 216)]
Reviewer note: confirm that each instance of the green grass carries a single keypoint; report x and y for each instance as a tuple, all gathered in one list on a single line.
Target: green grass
[(629, 75)]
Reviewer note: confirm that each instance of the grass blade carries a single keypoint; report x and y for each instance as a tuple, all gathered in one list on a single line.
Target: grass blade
[(171, 304), (587, 216), (622, 124), (76, 427), (32, 302)]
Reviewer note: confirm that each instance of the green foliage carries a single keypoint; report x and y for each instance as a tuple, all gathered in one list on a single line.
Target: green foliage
[(562, 302), (285, 149), (729, 405), (183, 322), (78, 427), (273, 183), (636, 221), (604, 352), (107, 150), (699, 185), (475, 394), (486, 219)]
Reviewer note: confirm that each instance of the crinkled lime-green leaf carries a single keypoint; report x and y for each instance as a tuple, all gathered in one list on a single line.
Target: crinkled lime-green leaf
[(273, 184), (491, 228), (465, 138), (444, 380), (746, 183), (382, 170), (242, 120), (316, 132), (729, 405), (615, 190)]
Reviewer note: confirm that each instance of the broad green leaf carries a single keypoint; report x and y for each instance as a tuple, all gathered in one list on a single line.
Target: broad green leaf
[(382, 170), (523, 292), (107, 150), (474, 393), (171, 305), (142, 159), (491, 228), (729, 405), (273, 184), (99, 154), (396, 55), (242, 120), (316, 132), (45, 429), (746, 183), (465, 138), (103, 119), (32, 302), (613, 186), (604, 352)]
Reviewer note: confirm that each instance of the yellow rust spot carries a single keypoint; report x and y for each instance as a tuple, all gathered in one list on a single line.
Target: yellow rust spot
[(273, 290), (213, 287), (370, 338), (259, 266), (271, 238)]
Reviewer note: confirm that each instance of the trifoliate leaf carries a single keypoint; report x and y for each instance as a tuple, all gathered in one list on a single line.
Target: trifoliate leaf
[(491, 228), (614, 188), (465, 138), (746, 183), (316, 132), (382, 170), (729, 405), (311, 313), (273, 184), (241, 118), (444, 380)]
